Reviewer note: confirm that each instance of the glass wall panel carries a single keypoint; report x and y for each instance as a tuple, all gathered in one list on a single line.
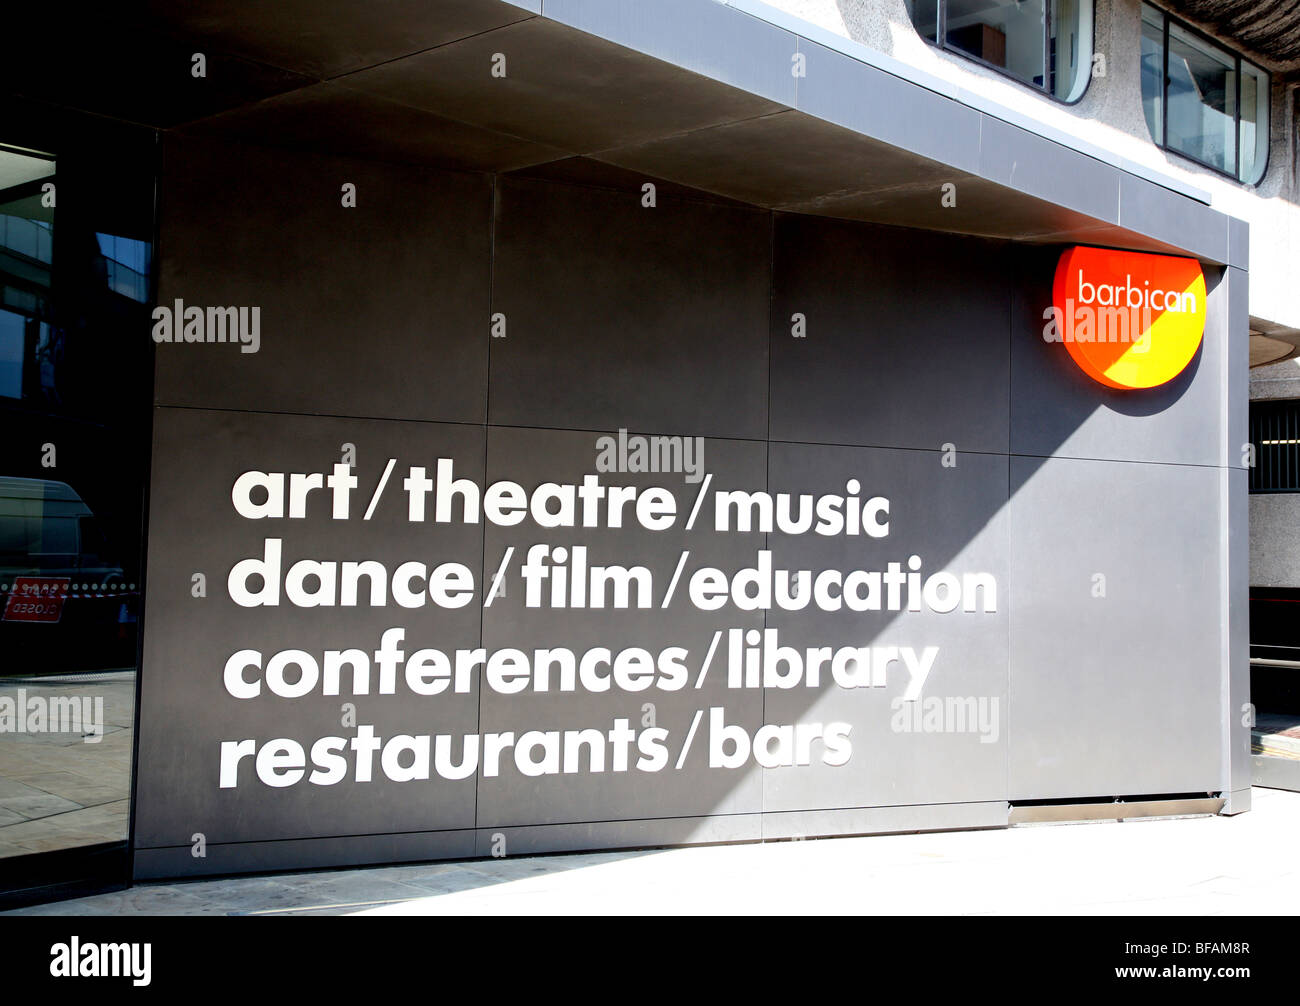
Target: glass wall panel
[(1005, 33), (925, 16), (1202, 96), (1254, 123), (76, 249), (1202, 100), (1017, 36), (1070, 48), (1153, 71)]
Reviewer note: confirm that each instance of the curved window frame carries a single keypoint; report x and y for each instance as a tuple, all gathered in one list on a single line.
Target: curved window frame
[(1088, 12), (1239, 61)]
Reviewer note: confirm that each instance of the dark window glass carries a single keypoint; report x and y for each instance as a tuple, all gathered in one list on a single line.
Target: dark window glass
[(76, 233), (1153, 72), (1275, 436), (925, 16)]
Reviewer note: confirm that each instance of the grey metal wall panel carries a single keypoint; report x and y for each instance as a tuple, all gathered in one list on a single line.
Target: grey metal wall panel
[(953, 518), (675, 320), (1115, 693), (734, 160), (535, 840), (1238, 540), (883, 820), (1151, 209), (709, 38), (1021, 160), (385, 130), (842, 90), (1234, 328), (779, 825), (887, 311), (1238, 243), (377, 310), (933, 197), (343, 37), (303, 854), (1237, 712), (532, 457), (1058, 410), (620, 315), (555, 86), (186, 711)]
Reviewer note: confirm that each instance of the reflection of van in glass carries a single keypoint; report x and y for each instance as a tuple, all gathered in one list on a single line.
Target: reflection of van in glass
[(63, 602)]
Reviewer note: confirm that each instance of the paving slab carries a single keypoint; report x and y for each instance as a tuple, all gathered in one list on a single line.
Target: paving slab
[(1243, 865)]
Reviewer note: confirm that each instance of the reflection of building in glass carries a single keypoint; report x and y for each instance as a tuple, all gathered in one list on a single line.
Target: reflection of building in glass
[(1203, 100), (71, 407), (1016, 37), (128, 265)]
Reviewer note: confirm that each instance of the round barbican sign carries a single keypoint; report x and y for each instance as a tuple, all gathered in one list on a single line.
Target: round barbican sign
[(1128, 319)]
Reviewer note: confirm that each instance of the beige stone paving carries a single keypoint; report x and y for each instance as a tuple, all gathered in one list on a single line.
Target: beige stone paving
[(56, 790)]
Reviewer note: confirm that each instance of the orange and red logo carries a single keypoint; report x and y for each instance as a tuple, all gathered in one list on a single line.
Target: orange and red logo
[(1128, 319)]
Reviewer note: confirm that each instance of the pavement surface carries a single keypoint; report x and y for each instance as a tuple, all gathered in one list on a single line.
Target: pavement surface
[(1243, 865), (62, 783)]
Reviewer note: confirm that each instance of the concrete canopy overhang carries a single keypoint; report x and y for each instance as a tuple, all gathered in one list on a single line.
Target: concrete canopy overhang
[(1270, 28), (695, 93), (1271, 343)]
